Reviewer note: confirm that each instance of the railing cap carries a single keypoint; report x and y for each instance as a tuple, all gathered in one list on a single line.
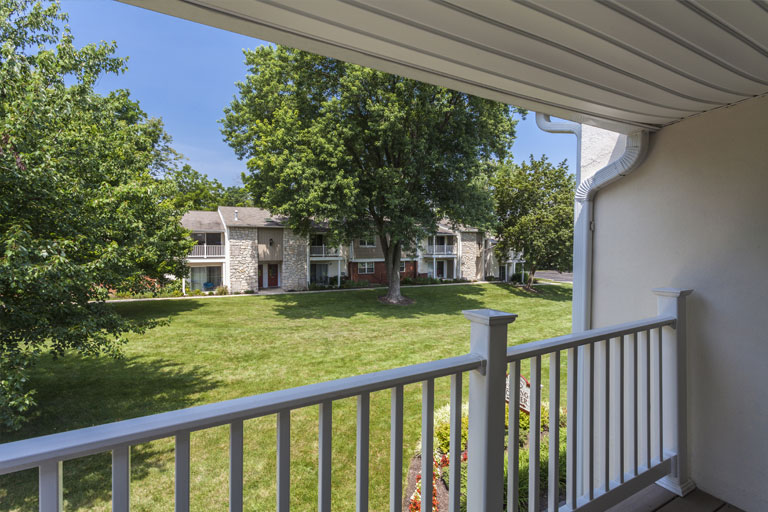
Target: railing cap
[(489, 316), (673, 292)]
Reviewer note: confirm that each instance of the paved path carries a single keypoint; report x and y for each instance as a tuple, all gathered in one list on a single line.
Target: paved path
[(554, 275)]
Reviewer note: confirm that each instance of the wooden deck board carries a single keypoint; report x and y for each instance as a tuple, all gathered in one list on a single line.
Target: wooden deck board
[(647, 500), (697, 501)]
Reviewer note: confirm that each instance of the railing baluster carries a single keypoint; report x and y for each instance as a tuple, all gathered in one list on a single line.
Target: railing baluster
[(283, 461), (427, 429), (620, 390), (660, 391), (534, 436), (454, 498), (396, 452), (648, 397), (325, 430), (51, 488), (607, 419), (121, 479), (553, 486), (591, 433), (513, 443), (182, 472), (363, 430), (571, 493), (236, 466), (635, 401)]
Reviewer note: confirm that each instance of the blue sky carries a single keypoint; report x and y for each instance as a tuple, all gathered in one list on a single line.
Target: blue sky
[(185, 73)]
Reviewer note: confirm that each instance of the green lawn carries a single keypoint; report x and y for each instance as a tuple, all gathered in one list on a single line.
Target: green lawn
[(217, 349)]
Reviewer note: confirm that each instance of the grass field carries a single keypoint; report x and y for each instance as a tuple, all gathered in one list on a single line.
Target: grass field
[(218, 349)]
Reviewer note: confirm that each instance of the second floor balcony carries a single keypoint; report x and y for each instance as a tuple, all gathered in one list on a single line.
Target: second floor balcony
[(323, 250), (441, 249), (207, 251)]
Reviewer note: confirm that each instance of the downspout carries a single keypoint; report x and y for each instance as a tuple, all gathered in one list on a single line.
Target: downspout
[(634, 154)]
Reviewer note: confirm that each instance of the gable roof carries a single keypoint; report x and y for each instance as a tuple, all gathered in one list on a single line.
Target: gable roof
[(249, 217), (196, 220)]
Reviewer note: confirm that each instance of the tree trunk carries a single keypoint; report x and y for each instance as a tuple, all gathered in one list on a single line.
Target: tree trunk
[(392, 254), (529, 281)]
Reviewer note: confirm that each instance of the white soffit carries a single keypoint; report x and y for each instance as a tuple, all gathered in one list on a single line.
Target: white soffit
[(620, 65)]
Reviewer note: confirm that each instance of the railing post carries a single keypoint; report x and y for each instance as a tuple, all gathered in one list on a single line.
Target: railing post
[(487, 390), (671, 301)]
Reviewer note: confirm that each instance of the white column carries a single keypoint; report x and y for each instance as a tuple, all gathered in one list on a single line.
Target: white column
[(671, 301), (487, 389), (338, 273), (184, 285)]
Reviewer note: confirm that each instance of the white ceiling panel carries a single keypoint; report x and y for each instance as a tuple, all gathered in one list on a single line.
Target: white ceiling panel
[(621, 65)]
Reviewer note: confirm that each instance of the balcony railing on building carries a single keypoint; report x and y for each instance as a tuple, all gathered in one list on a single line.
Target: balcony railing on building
[(625, 428), (323, 250), (207, 251), (441, 249)]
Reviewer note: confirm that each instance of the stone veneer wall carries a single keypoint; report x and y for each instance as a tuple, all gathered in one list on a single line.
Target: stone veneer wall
[(243, 259), (294, 261), (470, 255)]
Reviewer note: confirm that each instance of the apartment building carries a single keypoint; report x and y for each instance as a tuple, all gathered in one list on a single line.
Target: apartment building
[(247, 249)]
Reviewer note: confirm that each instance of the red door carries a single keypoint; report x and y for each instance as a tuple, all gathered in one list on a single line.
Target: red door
[(261, 276), (272, 275)]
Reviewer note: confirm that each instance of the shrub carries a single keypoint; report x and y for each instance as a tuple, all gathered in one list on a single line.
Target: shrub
[(221, 290), (351, 283), (196, 291), (16, 397), (249, 291)]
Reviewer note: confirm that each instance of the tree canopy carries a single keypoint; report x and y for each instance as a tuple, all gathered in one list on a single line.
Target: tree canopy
[(81, 212), (367, 152), (195, 191), (534, 213)]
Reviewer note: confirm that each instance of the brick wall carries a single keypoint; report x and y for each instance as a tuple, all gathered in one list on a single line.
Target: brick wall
[(380, 272)]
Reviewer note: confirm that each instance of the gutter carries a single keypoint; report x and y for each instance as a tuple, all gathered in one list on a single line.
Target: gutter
[(584, 226)]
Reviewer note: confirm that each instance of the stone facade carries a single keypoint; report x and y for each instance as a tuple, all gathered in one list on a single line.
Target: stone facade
[(243, 259), (295, 250), (471, 244)]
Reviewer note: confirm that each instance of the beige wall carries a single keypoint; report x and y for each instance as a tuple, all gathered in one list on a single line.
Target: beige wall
[(695, 215), (368, 252), (275, 251)]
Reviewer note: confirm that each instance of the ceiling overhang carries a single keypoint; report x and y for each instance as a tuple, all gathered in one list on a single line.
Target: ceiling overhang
[(622, 66)]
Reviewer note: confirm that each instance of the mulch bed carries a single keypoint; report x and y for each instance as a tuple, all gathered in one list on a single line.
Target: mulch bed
[(413, 470)]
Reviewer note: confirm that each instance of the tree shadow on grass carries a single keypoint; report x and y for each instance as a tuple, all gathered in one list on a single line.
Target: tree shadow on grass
[(554, 292), (158, 310), (76, 392), (427, 301)]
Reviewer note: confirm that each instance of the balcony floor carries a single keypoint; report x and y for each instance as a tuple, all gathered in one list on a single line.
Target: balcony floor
[(658, 499)]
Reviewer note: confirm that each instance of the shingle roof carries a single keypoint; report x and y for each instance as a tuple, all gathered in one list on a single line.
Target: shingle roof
[(196, 220), (249, 217)]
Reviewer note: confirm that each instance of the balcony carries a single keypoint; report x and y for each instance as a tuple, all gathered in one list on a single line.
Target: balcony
[(626, 427), (319, 251), (437, 250), (207, 251)]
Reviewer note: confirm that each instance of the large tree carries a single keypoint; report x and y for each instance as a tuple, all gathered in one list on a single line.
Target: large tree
[(371, 154), (81, 212), (194, 190), (534, 214)]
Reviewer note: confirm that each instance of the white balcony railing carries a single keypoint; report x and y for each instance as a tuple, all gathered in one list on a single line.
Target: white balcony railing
[(617, 442), (323, 250), (441, 249), (207, 251)]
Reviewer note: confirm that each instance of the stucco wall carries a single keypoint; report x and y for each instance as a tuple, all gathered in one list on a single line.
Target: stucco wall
[(695, 215), (243, 259)]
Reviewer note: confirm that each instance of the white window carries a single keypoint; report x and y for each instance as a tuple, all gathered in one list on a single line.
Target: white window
[(365, 267), (402, 266), (367, 242)]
